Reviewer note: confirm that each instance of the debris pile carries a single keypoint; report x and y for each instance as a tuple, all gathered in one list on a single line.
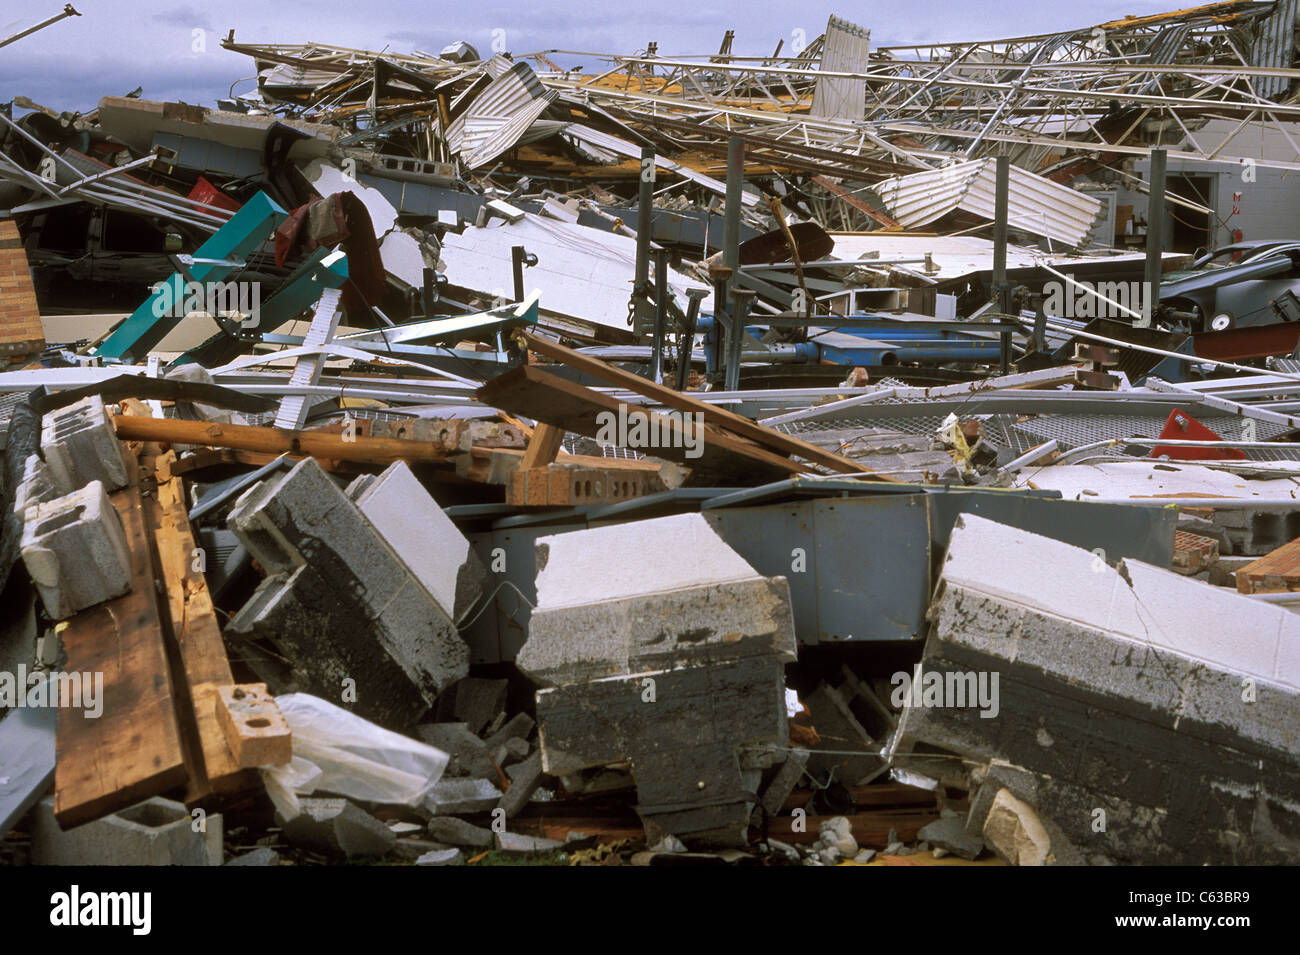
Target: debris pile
[(458, 460)]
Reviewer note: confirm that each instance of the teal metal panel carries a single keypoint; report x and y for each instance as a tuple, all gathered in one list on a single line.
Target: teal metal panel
[(236, 240)]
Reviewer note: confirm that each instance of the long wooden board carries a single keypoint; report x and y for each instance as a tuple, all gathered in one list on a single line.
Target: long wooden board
[(556, 401), (719, 417), (201, 652), (133, 749)]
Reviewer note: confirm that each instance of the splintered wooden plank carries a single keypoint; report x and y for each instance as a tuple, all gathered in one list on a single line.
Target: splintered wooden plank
[(564, 404), (203, 664), (1277, 571), (775, 441), (133, 749)]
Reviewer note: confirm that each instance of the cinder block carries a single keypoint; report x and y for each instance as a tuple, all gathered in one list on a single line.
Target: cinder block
[(155, 832), (75, 549), (35, 486), (80, 446)]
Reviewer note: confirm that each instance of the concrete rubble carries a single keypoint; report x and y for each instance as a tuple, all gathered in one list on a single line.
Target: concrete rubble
[(848, 456)]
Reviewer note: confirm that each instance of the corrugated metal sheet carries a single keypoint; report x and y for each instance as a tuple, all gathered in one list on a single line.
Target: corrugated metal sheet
[(1273, 47), (499, 115), (844, 50), (1037, 205)]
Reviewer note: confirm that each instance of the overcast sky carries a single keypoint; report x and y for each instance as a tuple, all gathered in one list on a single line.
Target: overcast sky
[(174, 50)]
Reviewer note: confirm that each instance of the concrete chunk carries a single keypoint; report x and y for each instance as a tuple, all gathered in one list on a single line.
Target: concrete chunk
[(438, 857), (458, 832), (516, 844), (468, 753), (424, 537), (1013, 831), (450, 797), (75, 549), (337, 826), (525, 778)]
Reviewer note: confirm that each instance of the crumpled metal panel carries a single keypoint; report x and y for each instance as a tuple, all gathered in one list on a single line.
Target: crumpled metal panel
[(1036, 205)]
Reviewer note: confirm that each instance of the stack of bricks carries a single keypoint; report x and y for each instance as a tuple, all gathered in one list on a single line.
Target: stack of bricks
[(20, 321)]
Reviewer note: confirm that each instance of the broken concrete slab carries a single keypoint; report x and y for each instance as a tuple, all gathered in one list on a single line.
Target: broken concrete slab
[(676, 670), (949, 833), (1114, 698), (301, 519), (157, 831), (469, 755), (422, 536), (75, 549), (511, 751), (519, 726), (337, 826), (785, 781), (525, 778), (516, 844), (478, 701), (602, 609), (452, 797), (458, 832), (440, 857)]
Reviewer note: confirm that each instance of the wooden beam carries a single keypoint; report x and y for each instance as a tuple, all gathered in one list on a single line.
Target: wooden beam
[(133, 749), (543, 446), (202, 664), (768, 438), (318, 444), (723, 457)]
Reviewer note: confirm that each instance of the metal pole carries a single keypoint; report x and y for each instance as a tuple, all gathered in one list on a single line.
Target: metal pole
[(731, 220), (68, 11), (661, 316), (644, 233), (1001, 288), (1155, 235), (736, 335), (688, 336)]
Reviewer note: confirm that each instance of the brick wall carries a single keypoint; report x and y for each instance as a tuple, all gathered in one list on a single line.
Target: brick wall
[(20, 321)]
